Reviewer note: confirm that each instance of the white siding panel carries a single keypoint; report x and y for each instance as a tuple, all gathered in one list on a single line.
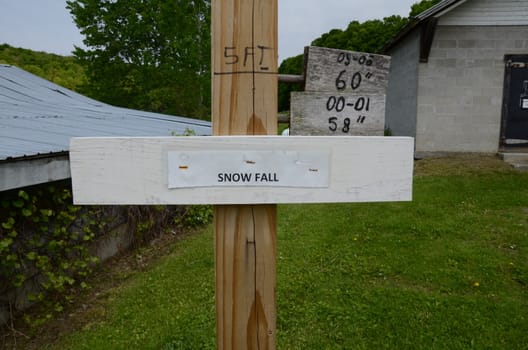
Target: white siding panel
[(488, 12)]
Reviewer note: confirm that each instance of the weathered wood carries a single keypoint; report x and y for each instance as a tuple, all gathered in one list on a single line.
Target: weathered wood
[(346, 71), (330, 113), (284, 118), (244, 65), (344, 94), (135, 170), (291, 79)]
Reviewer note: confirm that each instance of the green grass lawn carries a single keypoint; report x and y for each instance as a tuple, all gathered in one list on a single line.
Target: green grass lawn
[(446, 271)]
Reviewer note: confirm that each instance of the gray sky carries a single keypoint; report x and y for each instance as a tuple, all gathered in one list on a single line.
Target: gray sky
[(46, 25)]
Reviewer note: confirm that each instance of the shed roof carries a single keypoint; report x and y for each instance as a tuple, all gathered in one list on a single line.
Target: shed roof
[(427, 19), (38, 117), (438, 9)]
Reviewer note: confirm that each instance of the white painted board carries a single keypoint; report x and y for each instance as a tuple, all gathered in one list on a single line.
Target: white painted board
[(136, 170)]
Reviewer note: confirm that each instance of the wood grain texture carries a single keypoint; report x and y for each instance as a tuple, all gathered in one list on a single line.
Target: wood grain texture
[(318, 114), (134, 170), (345, 77), (244, 66), (325, 66), (245, 245)]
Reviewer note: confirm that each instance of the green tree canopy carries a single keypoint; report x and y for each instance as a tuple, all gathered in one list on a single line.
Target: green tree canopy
[(65, 71), (368, 36), (421, 6), (292, 65), (147, 54)]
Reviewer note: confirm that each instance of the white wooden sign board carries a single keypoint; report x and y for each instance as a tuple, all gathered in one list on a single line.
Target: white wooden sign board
[(303, 169)]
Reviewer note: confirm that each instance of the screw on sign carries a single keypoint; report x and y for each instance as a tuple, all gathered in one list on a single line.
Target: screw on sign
[(244, 176)]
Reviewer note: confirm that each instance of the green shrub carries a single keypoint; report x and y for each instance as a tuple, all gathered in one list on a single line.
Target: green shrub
[(43, 234)]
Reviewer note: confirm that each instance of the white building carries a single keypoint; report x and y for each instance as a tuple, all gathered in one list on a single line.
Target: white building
[(459, 77)]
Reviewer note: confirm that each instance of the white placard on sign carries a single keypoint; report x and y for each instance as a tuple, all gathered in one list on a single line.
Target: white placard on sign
[(308, 169)]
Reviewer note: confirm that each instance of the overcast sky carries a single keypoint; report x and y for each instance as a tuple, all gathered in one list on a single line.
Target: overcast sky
[(46, 25)]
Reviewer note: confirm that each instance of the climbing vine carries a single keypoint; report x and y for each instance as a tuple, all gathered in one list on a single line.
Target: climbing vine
[(44, 240)]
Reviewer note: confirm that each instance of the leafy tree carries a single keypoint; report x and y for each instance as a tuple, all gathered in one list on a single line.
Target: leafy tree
[(368, 36), (421, 6), (65, 71), (147, 54), (292, 65)]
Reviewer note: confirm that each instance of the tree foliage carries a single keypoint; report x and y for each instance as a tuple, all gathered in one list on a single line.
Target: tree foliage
[(368, 36), (43, 234), (65, 71), (421, 6), (147, 54), (292, 65), (155, 54)]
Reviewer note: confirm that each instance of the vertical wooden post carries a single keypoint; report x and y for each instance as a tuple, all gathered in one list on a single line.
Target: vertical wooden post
[(244, 66)]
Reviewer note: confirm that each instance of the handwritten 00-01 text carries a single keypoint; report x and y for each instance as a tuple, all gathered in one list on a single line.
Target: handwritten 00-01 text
[(338, 104)]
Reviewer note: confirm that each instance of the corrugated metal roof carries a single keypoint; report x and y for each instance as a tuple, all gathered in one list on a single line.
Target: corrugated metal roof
[(436, 10), (38, 117)]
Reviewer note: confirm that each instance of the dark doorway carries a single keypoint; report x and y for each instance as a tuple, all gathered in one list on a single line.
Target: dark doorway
[(515, 109)]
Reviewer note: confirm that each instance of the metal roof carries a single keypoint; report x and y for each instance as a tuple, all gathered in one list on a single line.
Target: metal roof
[(434, 11), (437, 9), (38, 117)]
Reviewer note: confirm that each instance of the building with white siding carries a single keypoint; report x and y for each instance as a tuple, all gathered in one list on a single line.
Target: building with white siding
[(459, 77)]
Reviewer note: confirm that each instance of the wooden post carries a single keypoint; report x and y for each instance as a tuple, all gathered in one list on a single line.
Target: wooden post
[(244, 66)]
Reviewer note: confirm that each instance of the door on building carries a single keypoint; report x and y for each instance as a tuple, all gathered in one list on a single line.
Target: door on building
[(515, 106)]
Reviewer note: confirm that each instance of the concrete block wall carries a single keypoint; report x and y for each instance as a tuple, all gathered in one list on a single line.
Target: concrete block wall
[(400, 115), (460, 88)]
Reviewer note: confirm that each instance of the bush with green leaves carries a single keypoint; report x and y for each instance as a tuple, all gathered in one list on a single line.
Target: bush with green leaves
[(43, 234), (45, 240)]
